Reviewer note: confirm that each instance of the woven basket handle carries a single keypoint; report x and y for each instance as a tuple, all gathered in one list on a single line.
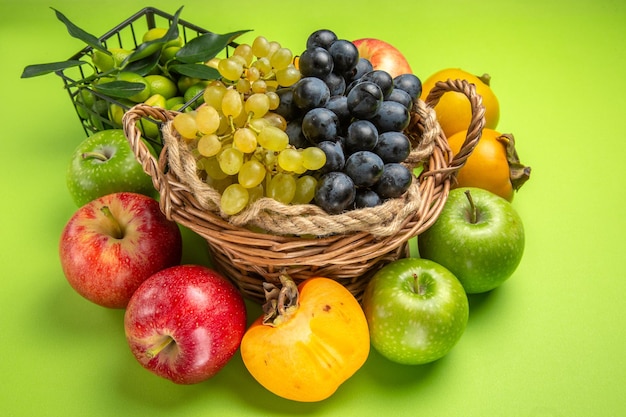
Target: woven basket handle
[(154, 167), (477, 122)]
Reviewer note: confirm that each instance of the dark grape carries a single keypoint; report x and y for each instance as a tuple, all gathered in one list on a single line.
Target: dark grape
[(363, 66), (335, 157), (364, 167), (380, 78), (336, 84), (409, 83), (339, 105), (391, 116), (320, 124), (286, 107), (401, 97), (393, 146), (316, 62), (310, 92), (335, 192), (322, 38), (361, 135), (296, 137), (366, 198), (394, 181), (345, 55), (364, 100)]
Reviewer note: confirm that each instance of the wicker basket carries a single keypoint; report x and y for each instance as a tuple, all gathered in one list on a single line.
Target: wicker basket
[(348, 247)]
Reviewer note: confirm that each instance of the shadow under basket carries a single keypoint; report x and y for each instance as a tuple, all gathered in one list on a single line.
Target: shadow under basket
[(302, 240)]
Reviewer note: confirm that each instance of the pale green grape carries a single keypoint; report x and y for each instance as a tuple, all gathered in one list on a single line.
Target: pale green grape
[(240, 120), (214, 94), (212, 168), (276, 120), (305, 190), (258, 86), (245, 140), (251, 174), (290, 159), (209, 145), (240, 59), (253, 74), (273, 138), (230, 68), (269, 159), (260, 46), (274, 99), (288, 76), (244, 50), (313, 158), (255, 193), (230, 160), (258, 104), (207, 119), (282, 187), (221, 184), (234, 199), (243, 85), (232, 103), (185, 124), (274, 46), (281, 58), (263, 65)]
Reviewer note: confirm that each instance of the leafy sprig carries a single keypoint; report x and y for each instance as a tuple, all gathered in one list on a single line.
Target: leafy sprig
[(189, 60)]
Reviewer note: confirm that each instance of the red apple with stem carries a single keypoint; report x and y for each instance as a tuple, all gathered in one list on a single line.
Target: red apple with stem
[(383, 56), (112, 244), (185, 323)]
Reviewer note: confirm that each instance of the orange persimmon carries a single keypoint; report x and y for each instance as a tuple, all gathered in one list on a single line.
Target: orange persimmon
[(309, 341)]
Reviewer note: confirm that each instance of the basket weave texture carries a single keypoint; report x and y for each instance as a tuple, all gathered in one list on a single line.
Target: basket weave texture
[(303, 240)]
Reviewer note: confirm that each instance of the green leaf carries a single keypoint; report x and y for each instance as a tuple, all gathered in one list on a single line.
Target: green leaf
[(201, 71), (143, 66), (119, 89), (78, 33), (206, 46), (41, 69)]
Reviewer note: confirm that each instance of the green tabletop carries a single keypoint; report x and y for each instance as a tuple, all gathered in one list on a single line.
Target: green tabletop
[(550, 342)]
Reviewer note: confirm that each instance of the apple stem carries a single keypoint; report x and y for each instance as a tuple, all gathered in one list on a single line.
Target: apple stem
[(473, 210), (116, 229), (167, 341), (420, 285), (95, 155)]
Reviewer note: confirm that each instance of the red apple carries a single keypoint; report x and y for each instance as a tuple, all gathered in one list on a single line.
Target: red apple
[(185, 323), (114, 243), (383, 56)]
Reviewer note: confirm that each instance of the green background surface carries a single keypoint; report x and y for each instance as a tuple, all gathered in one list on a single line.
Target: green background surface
[(550, 342)]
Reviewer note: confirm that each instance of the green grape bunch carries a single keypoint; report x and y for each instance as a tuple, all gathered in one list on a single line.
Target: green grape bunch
[(240, 142)]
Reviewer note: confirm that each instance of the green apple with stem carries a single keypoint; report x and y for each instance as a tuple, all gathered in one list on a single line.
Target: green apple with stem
[(102, 164), (416, 311), (478, 236)]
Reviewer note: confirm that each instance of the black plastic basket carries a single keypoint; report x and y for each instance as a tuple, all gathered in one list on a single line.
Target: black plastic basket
[(92, 107)]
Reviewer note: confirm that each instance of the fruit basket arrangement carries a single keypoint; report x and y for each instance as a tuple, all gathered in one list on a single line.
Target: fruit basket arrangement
[(309, 176), (303, 240), (255, 245)]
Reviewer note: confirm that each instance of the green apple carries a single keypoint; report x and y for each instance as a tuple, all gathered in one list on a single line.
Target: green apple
[(416, 310), (103, 164), (478, 236)]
